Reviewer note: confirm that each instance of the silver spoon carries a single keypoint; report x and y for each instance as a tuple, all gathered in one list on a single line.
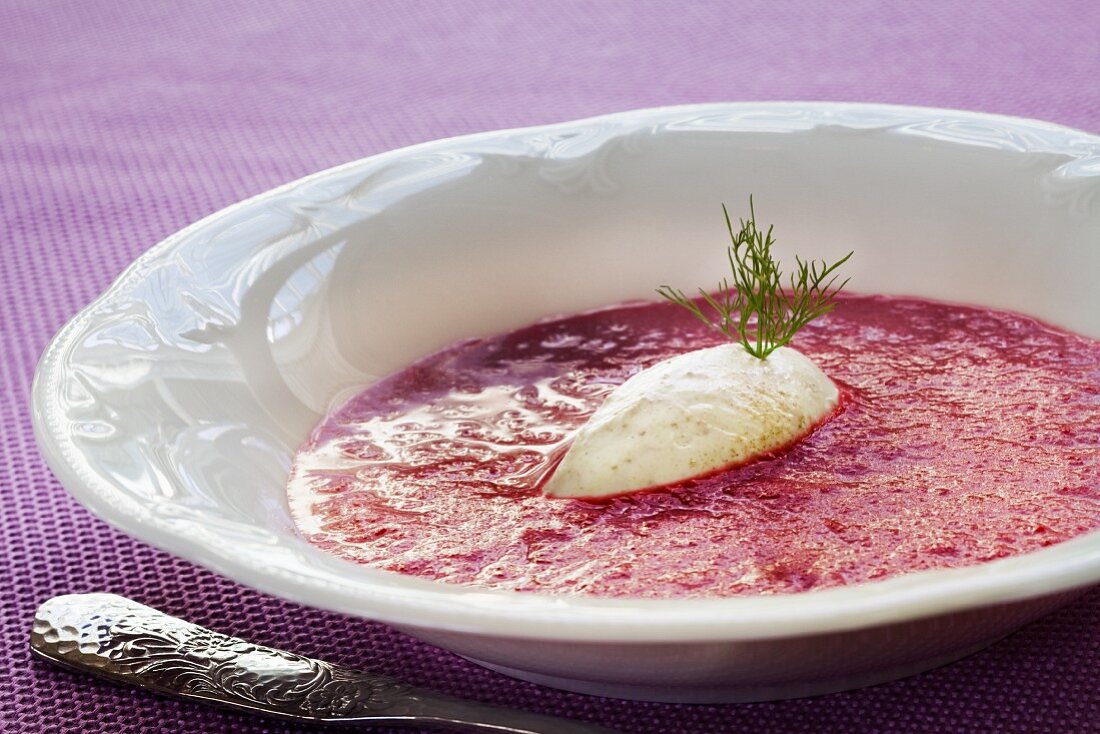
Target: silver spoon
[(126, 642)]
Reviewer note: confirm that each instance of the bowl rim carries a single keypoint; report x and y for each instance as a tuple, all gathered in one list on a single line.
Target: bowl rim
[(421, 604)]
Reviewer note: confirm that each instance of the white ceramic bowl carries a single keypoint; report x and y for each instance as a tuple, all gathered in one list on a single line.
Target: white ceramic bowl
[(172, 405)]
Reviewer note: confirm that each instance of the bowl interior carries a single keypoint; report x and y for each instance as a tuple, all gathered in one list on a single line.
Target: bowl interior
[(173, 405)]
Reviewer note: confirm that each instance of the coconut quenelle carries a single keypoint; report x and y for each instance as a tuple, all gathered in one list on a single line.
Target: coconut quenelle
[(678, 449)]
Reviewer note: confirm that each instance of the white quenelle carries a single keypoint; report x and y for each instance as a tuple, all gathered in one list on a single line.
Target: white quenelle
[(690, 415)]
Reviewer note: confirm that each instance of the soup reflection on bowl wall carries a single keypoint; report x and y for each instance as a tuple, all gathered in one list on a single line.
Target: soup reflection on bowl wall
[(172, 405)]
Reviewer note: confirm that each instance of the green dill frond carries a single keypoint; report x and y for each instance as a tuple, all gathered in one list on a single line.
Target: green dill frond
[(752, 306)]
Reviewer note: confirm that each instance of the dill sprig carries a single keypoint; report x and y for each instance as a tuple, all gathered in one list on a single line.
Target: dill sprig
[(755, 309)]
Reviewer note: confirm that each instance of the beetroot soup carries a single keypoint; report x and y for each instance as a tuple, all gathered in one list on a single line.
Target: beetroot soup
[(963, 434)]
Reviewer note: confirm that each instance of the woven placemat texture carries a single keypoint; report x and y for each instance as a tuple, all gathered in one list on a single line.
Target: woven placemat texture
[(122, 122)]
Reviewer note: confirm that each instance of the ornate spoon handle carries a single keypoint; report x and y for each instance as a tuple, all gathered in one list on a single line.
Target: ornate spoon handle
[(123, 641)]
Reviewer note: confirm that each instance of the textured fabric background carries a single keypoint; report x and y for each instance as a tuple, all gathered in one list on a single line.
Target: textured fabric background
[(122, 122)]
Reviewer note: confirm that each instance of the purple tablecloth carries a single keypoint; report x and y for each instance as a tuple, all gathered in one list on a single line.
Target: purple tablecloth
[(121, 123)]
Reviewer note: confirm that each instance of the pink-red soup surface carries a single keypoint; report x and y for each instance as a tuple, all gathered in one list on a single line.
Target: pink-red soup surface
[(964, 434)]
